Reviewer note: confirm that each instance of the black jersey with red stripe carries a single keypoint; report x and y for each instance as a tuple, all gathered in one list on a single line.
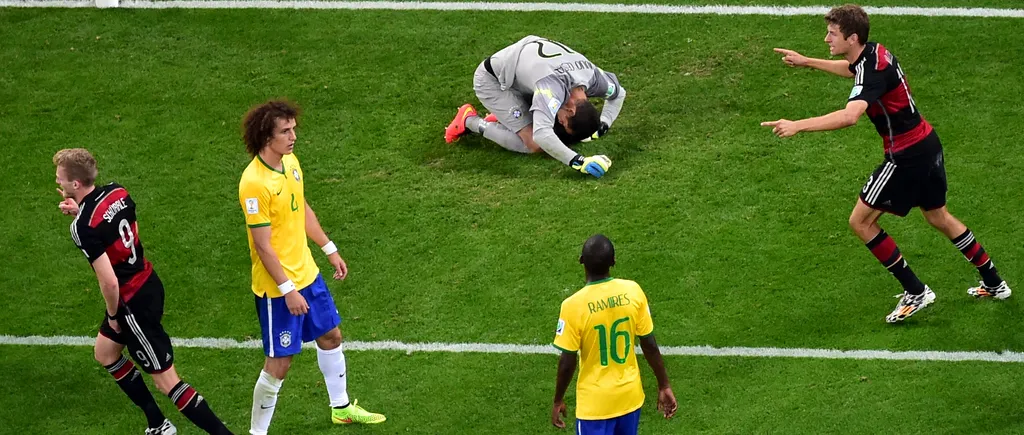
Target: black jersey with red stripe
[(880, 82), (106, 225)]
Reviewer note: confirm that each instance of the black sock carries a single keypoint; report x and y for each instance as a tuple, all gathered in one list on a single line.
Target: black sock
[(130, 380), (887, 253), (343, 406), (194, 407), (975, 253)]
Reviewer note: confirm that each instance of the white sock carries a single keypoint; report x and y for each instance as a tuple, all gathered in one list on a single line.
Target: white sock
[(332, 365), (264, 400)]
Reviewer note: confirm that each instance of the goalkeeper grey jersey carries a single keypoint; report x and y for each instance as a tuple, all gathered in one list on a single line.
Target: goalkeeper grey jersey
[(546, 71)]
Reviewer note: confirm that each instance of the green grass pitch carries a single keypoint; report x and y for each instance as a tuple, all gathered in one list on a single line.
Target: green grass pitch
[(738, 238)]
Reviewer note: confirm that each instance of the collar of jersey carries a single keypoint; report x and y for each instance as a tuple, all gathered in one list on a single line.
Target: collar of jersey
[(600, 281), (869, 48), (96, 191), (270, 167)]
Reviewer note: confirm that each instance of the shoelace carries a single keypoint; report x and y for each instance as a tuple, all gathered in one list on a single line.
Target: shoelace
[(910, 299)]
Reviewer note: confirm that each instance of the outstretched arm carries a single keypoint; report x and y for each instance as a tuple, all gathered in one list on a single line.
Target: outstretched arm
[(833, 121), (838, 67)]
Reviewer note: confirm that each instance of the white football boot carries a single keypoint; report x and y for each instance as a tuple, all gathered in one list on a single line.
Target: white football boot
[(165, 429), (1002, 291), (910, 304)]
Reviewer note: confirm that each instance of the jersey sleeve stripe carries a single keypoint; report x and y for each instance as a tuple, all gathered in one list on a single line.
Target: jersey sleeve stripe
[(563, 349), (259, 225), (74, 231)]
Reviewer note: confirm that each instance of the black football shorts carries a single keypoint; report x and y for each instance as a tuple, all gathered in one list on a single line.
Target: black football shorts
[(898, 185), (141, 330)]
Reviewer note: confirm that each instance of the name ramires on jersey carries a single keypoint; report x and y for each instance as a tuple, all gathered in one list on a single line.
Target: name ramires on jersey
[(611, 302), (114, 208), (578, 65)]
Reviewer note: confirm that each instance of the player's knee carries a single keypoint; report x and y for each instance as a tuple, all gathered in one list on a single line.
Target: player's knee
[(277, 367), (330, 340), (938, 218), (105, 357), (862, 227), (856, 222)]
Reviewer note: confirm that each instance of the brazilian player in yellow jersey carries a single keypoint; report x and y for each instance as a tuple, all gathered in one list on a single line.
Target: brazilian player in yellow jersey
[(293, 302), (599, 325)]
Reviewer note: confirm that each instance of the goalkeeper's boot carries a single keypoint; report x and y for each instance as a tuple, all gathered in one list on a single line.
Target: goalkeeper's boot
[(355, 414), (167, 428), (458, 126), (1001, 291), (910, 304), (491, 118)]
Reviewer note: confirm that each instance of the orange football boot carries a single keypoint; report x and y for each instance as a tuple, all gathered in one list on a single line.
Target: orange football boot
[(458, 125)]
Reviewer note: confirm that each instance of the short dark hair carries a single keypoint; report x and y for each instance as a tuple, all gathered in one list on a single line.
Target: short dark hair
[(258, 124), (564, 136), (584, 123), (851, 19), (598, 254)]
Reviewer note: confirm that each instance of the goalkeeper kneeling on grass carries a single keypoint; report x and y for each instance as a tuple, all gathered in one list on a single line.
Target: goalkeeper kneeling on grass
[(538, 91)]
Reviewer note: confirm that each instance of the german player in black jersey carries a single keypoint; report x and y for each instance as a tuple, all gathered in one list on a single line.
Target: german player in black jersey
[(106, 231), (913, 173)]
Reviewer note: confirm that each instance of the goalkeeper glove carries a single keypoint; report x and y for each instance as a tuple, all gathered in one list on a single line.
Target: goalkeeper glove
[(593, 165), (601, 131)]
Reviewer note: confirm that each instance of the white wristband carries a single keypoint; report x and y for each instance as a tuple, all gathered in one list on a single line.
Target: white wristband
[(329, 248), (286, 287)]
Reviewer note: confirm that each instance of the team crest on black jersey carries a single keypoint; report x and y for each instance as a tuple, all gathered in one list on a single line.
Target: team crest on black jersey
[(295, 173)]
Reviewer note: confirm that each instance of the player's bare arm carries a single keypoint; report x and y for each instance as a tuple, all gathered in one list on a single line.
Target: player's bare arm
[(317, 234), (846, 117), (566, 368), (261, 240), (108, 287), (666, 399), (838, 67)]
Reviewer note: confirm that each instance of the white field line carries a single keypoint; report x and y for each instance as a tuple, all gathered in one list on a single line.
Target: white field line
[(524, 7), (528, 349)]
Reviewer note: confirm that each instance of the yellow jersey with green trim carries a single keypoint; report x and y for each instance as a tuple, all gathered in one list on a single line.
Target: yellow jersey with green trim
[(274, 198), (601, 322)]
